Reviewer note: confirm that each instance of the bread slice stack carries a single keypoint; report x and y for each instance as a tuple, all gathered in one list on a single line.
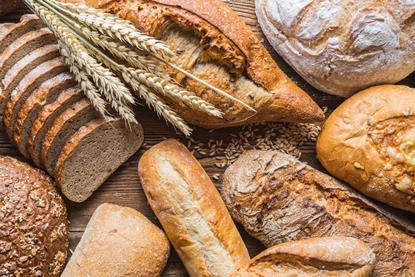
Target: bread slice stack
[(47, 117)]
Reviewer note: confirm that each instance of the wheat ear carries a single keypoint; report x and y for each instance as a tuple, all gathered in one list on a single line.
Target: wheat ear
[(112, 88), (116, 28)]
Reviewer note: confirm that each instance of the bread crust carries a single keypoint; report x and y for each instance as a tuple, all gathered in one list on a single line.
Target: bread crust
[(33, 221), (339, 51), (199, 227), (359, 139), (325, 256), (279, 100), (119, 241), (278, 199)]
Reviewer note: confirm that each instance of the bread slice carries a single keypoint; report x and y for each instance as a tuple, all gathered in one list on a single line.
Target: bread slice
[(9, 32), (30, 82), (65, 125), (45, 94), (92, 154), (45, 119)]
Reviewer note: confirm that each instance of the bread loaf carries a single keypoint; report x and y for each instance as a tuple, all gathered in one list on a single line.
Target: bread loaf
[(369, 142), (119, 241), (213, 43), (191, 211), (327, 256), (278, 199), (33, 222), (341, 47)]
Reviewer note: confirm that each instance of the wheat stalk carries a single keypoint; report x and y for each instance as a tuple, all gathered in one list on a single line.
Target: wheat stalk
[(117, 28), (111, 87)]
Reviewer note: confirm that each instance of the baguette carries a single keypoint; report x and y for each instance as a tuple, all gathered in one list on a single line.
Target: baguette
[(119, 241), (327, 256), (212, 42), (278, 199), (191, 211)]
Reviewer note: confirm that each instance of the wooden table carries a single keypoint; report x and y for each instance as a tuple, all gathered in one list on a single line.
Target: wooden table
[(123, 188)]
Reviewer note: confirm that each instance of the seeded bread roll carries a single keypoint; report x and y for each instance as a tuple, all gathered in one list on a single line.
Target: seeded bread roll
[(33, 222), (213, 43), (119, 241), (279, 199), (369, 142), (93, 153), (191, 211), (323, 257), (341, 47)]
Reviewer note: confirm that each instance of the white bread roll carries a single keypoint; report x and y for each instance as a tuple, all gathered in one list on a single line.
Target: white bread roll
[(369, 142), (119, 241), (342, 46)]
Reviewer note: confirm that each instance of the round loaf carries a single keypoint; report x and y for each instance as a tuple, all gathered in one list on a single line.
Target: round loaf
[(369, 142), (33, 222), (341, 47)]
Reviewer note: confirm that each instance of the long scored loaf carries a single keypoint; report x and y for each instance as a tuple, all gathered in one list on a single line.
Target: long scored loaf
[(212, 42), (191, 211), (278, 199)]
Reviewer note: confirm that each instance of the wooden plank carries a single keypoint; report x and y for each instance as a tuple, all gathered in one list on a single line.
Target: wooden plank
[(123, 188)]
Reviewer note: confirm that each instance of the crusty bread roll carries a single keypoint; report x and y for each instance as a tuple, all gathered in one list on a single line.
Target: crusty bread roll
[(369, 142), (279, 199), (213, 43), (33, 222), (323, 257), (341, 47), (191, 211), (119, 241)]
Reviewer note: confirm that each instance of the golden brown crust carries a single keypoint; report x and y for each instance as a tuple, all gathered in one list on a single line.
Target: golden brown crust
[(33, 221), (119, 241), (278, 199), (326, 256), (191, 211), (361, 144), (226, 41)]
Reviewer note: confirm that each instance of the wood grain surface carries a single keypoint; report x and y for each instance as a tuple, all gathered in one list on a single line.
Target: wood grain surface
[(123, 188)]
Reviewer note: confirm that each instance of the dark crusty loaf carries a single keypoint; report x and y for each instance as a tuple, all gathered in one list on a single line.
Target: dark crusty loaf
[(7, 6), (326, 256), (92, 154), (9, 32), (26, 86), (119, 242), (213, 43), (33, 222), (278, 199), (65, 125), (30, 109)]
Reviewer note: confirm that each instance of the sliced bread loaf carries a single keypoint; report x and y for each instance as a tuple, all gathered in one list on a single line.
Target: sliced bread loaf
[(93, 153), (65, 125), (9, 32), (30, 82), (45, 119), (42, 96)]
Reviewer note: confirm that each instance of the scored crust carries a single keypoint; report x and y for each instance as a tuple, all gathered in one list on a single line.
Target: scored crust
[(360, 144)]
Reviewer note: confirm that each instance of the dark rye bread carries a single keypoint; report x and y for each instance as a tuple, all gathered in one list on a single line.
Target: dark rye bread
[(30, 82), (92, 154), (9, 32), (65, 125), (46, 93), (45, 119), (24, 66)]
